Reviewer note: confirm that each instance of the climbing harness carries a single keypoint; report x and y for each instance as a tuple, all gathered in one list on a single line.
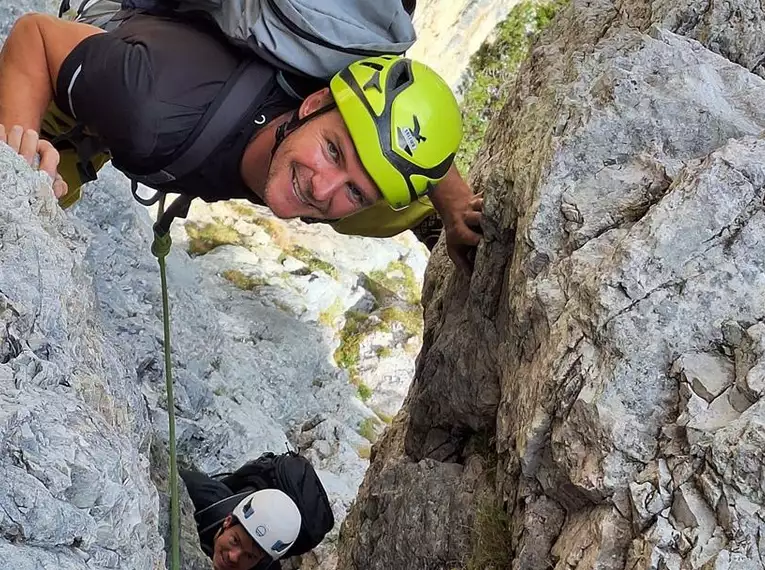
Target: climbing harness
[(160, 247)]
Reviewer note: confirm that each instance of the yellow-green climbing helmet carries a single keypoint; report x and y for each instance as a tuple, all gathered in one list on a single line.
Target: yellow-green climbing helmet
[(404, 121)]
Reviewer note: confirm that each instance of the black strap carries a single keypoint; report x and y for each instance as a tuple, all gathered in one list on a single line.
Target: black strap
[(246, 87), (212, 515), (178, 209)]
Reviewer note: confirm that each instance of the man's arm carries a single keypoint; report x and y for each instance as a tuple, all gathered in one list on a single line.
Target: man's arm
[(29, 65), (461, 213)]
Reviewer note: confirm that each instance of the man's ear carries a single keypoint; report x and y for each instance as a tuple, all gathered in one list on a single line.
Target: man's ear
[(227, 521), (314, 102)]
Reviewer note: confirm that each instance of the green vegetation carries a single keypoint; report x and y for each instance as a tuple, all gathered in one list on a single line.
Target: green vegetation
[(402, 284), (368, 429), (492, 546), (206, 237), (329, 315), (364, 391), (275, 230), (383, 351), (314, 263), (410, 318), (493, 68), (365, 452), (357, 327), (387, 419), (242, 281), (243, 210)]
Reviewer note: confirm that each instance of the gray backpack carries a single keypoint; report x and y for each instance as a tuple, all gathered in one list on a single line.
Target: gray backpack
[(317, 38)]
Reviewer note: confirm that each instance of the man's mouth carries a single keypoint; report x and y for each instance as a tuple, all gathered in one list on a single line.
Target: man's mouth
[(296, 188)]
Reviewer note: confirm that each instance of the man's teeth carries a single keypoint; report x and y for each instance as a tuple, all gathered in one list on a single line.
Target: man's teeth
[(296, 188)]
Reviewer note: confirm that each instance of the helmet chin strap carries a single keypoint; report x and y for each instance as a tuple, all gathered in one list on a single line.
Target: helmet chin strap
[(294, 123)]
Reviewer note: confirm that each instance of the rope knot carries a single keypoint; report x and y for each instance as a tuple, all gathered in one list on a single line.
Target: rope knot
[(160, 247)]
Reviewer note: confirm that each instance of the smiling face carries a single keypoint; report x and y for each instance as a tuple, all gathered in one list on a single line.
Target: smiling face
[(316, 171), (234, 549)]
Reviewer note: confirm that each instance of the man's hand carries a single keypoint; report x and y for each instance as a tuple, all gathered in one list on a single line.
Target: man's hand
[(28, 144), (461, 213), (463, 233)]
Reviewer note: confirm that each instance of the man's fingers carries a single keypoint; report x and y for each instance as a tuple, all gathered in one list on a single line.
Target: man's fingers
[(473, 221), (49, 159), (14, 137), (476, 203), (28, 148), (3, 134), (60, 187)]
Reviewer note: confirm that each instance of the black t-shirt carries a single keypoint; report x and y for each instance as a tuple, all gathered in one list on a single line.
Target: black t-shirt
[(204, 491), (144, 88)]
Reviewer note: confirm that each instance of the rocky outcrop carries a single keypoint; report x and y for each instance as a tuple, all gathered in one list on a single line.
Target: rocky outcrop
[(599, 376), (83, 423)]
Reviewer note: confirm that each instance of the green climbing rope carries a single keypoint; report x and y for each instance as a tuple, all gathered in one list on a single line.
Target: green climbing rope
[(160, 248)]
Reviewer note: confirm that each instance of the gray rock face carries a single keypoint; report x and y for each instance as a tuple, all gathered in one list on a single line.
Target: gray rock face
[(83, 422), (75, 489), (609, 343)]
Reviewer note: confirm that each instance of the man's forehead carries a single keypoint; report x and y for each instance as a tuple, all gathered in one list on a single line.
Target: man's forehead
[(247, 541)]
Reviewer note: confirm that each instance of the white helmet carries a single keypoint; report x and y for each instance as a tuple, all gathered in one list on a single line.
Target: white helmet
[(271, 518)]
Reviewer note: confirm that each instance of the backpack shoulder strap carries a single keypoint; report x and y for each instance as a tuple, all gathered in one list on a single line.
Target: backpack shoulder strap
[(210, 517), (244, 89)]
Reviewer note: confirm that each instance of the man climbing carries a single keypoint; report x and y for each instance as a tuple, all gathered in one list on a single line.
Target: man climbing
[(148, 88), (270, 509)]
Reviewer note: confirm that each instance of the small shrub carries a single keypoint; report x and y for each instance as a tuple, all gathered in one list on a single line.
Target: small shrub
[(242, 210), (364, 391), (357, 326), (493, 68), (386, 419), (411, 319), (314, 263), (329, 315), (368, 429), (243, 281), (365, 452), (383, 351), (491, 540), (203, 238), (383, 286)]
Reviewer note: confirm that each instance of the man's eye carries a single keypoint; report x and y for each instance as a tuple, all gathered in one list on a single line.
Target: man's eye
[(333, 151), (356, 194)]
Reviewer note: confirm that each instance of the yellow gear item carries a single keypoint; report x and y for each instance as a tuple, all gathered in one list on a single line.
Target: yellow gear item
[(405, 123), (382, 221), (56, 123)]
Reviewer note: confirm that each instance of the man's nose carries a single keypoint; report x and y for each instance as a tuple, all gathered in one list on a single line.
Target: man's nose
[(234, 554), (327, 182)]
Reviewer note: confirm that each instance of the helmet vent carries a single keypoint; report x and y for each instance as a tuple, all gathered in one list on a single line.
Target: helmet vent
[(373, 65), (402, 78)]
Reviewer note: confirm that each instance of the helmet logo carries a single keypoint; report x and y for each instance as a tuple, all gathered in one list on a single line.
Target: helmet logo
[(409, 139), (261, 531)]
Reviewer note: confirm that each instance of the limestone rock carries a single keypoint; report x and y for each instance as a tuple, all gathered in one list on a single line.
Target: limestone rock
[(613, 319)]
